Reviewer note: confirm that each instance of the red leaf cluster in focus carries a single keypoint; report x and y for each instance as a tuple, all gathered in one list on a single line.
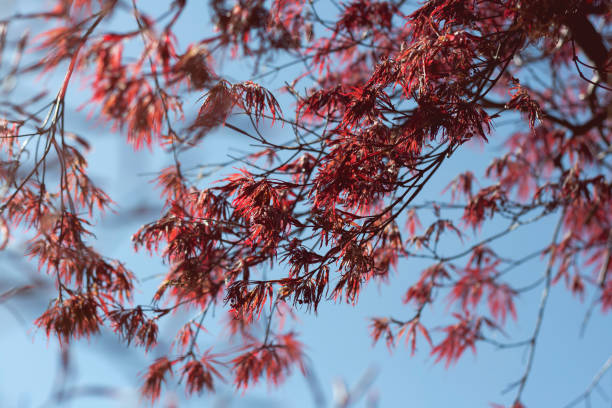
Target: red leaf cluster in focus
[(321, 203)]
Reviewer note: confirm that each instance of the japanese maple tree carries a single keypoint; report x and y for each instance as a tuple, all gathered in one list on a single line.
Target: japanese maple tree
[(350, 109)]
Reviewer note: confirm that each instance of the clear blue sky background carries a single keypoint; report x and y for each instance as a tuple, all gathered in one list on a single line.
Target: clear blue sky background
[(337, 340)]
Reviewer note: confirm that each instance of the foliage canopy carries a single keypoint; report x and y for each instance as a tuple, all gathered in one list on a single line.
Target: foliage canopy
[(377, 95)]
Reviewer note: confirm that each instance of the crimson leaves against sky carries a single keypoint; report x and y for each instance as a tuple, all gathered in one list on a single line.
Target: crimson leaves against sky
[(380, 95)]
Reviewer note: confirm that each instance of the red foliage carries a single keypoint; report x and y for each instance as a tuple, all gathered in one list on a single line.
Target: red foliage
[(132, 325), (384, 96), (273, 361), (459, 337), (200, 374), (74, 317), (155, 376)]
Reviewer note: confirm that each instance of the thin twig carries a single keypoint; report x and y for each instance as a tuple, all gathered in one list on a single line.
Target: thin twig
[(545, 293)]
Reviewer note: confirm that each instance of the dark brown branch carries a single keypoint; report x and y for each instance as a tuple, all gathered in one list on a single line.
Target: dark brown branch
[(588, 39)]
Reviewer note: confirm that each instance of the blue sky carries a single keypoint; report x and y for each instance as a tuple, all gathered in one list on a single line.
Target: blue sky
[(337, 340)]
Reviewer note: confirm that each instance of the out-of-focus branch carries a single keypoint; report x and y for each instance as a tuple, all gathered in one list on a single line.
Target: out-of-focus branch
[(540, 317), (586, 395)]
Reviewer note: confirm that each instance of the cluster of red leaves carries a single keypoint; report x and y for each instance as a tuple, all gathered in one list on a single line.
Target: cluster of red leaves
[(258, 29), (362, 15), (522, 102), (397, 93), (74, 317), (133, 325), (199, 374), (408, 330), (460, 336), (155, 376), (61, 250), (263, 207), (124, 92), (481, 276), (274, 361), (421, 292), (221, 99)]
